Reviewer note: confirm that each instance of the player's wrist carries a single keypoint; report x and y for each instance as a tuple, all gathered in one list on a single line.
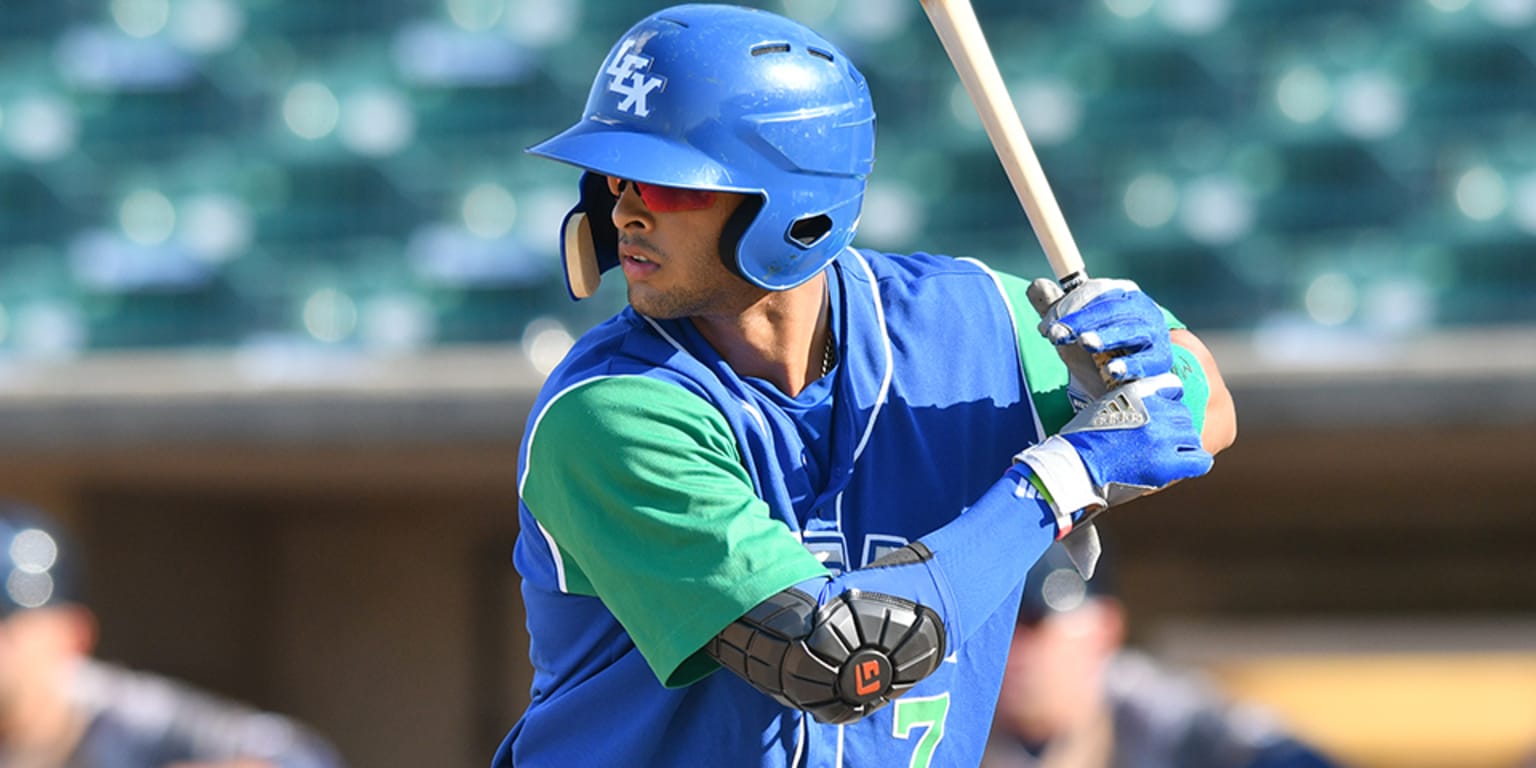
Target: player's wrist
[(1057, 471)]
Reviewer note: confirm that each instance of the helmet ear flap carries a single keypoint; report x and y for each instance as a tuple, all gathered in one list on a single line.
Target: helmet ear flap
[(735, 227), (582, 274), (589, 243)]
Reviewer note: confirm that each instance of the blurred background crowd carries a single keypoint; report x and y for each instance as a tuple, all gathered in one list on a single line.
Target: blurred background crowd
[(277, 285), (263, 175)]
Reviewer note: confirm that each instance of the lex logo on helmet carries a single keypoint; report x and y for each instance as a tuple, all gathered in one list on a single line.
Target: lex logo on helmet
[(630, 81)]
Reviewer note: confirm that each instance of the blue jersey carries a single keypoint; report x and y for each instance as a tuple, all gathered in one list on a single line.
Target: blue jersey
[(663, 496)]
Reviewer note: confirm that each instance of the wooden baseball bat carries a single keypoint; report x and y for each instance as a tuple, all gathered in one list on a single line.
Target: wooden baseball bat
[(960, 32)]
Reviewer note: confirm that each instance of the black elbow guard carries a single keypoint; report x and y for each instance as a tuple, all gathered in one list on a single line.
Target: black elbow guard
[(840, 661)]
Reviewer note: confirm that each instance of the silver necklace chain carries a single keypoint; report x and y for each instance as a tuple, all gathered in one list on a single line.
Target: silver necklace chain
[(828, 350)]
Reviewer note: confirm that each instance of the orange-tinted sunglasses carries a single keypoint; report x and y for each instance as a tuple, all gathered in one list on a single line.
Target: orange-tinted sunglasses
[(664, 199)]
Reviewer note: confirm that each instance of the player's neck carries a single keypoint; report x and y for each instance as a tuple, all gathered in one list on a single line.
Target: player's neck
[(780, 338)]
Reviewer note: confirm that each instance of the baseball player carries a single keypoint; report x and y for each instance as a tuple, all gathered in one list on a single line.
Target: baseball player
[(779, 510), (60, 708)]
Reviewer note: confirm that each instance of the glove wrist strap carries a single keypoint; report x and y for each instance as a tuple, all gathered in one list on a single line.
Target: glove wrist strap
[(1060, 474)]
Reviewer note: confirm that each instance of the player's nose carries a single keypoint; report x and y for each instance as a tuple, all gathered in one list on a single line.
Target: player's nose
[(629, 211)]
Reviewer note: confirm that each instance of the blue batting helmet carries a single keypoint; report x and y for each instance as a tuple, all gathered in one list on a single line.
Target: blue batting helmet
[(729, 99)]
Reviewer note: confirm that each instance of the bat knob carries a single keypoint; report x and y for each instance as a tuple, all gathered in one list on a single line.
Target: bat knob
[(1072, 281)]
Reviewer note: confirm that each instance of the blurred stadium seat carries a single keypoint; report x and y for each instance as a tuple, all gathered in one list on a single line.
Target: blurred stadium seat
[(223, 173)]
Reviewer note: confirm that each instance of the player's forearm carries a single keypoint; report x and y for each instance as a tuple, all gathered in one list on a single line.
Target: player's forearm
[(1219, 419), (968, 567), (842, 646)]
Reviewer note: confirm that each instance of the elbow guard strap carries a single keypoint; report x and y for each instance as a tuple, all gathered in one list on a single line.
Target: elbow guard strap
[(840, 661)]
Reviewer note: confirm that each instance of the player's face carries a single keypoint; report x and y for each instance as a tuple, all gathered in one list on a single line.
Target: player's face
[(669, 249)]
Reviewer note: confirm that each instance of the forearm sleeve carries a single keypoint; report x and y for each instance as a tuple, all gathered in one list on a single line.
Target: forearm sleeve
[(843, 646), (971, 565)]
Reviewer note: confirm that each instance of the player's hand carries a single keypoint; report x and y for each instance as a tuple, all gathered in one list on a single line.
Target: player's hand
[(1107, 332), (1136, 439)]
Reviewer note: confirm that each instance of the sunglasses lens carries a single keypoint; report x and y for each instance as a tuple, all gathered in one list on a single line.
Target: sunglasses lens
[(664, 199), (669, 199)]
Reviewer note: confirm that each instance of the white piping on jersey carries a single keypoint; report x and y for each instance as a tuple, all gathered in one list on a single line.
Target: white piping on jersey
[(756, 415), (554, 554), (664, 334), (528, 444), (751, 410), (1014, 325), (885, 383), (840, 746), (804, 731), (762, 424), (554, 548), (890, 358)]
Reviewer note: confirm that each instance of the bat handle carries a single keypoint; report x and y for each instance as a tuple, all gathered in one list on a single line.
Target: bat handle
[(1069, 283)]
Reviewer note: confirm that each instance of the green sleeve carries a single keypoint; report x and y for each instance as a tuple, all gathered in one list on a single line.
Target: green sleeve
[(640, 485), (1046, 375), (1044, 372)]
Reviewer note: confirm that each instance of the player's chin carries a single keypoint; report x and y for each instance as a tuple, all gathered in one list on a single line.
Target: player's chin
[(654, 304)]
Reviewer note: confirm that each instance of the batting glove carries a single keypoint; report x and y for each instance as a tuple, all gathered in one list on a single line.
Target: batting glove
[(1108, 332), (1136, 439)]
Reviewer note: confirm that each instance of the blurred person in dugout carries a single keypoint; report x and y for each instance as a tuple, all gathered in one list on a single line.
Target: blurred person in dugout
[(1074, 697), (61, 708)]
